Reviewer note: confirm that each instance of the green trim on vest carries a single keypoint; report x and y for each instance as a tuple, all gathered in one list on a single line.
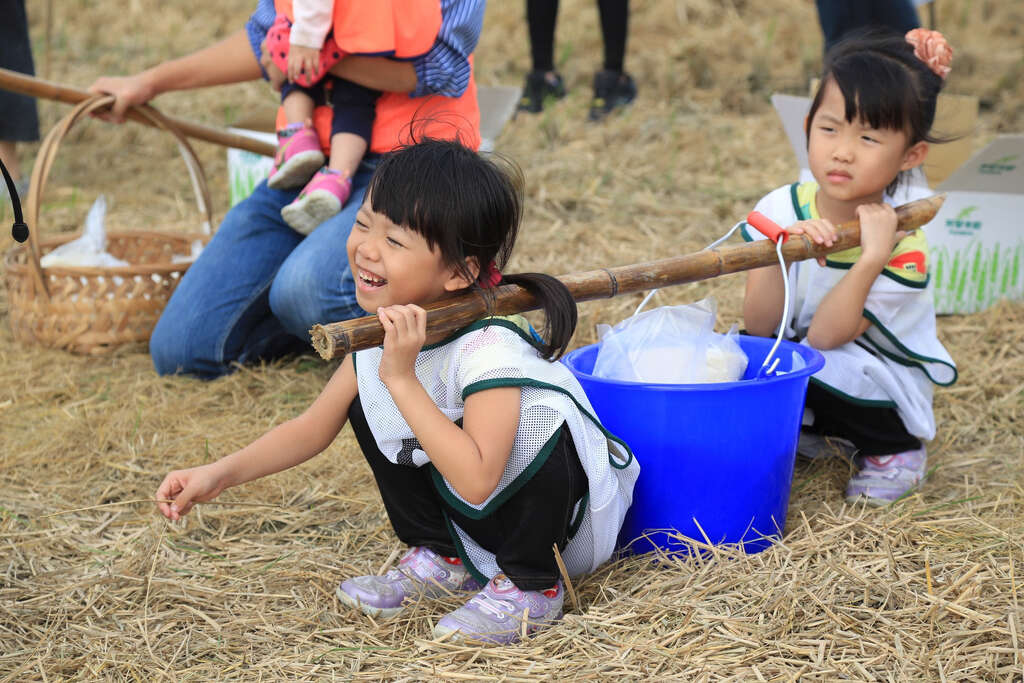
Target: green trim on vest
[(506, 493), (526, 382), (914, 358)]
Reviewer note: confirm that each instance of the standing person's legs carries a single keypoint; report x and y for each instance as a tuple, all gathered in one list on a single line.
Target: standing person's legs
[(839, 17), (614, 15), (897, 15), (541, 18), (613, 88), (315, 284), (19, 120), (220, 314), (542, 81)]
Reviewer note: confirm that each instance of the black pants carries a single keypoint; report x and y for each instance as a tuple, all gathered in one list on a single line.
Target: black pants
[(873, 430), (354, 106), (520, 532), (839, 17), (19, 121), (541, 16)]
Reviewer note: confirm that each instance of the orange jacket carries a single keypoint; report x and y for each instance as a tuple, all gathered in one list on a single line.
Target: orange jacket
[(404, 29)]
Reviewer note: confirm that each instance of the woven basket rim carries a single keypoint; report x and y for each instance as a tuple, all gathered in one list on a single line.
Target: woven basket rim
[(15, 268)]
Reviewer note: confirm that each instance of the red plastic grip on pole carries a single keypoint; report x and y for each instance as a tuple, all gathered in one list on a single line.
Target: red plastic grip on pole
[(767, 227)]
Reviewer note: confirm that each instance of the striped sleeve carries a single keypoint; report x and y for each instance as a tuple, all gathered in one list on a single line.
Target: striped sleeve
[(260, 21), (445, 69)]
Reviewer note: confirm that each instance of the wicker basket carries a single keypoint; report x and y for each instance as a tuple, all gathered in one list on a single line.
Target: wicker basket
[(94, 310)]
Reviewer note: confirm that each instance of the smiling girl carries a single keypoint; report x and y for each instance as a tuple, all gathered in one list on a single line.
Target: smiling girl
[(486, 452), (868, 309)]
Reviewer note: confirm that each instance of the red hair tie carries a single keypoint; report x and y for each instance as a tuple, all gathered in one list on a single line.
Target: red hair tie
[(932, 48), (491, 277)]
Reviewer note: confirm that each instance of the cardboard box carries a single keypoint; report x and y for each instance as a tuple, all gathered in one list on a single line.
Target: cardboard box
[(247, 169), (976, 240)]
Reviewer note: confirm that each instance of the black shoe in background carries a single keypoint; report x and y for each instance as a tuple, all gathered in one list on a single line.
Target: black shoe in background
[(612, 90), (538, 88)]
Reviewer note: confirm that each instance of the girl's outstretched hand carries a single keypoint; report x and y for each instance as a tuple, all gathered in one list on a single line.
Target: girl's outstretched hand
[(186, 488), (878, 233), (818, 230), (405, 331)]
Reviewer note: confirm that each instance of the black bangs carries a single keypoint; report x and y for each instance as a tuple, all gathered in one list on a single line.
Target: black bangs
[(877, 91), (463, 204)]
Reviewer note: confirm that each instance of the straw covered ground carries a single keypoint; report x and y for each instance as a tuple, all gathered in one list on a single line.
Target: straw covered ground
[(94, 585)]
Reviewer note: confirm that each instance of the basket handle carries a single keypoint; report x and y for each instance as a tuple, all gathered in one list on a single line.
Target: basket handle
[(48, 153)]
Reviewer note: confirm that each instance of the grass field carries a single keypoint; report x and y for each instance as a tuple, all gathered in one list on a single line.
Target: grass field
[(95, 586)]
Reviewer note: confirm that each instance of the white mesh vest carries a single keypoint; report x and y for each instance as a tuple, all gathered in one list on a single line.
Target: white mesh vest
[(495, 352)]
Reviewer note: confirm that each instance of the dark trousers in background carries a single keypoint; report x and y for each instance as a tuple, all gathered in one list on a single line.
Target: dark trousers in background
[(873, 430), (19, 120), (520, 532), (839, 17)]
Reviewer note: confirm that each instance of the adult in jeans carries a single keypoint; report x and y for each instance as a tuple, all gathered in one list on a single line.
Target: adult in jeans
[(259, 286), (839, 17)]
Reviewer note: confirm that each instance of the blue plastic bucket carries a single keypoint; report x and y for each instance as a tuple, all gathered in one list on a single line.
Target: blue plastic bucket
[(716, 460)]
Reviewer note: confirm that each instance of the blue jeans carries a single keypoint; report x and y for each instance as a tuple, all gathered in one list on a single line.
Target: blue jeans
[(839, 17), (258, 287)]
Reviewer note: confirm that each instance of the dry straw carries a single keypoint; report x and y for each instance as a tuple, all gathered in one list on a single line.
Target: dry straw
[(928, 589)]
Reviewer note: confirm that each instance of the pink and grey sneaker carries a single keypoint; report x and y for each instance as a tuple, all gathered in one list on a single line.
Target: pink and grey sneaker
[(885, 478), (298, 157), (495, 614), (421, 573), (321, 198)]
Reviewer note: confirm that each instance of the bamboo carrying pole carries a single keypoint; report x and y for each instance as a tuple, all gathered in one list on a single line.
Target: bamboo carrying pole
[(36, 87), (335, 340)]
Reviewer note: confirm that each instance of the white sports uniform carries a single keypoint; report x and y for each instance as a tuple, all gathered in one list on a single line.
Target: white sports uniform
[(495, 352), (896, 361)]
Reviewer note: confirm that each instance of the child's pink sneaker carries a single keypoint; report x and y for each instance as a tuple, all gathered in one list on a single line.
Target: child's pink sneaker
[(298, 157), (321, 198), (496, 614), (885, 478)]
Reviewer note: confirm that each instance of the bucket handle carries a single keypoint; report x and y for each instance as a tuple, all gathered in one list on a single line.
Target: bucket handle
[(774, 232)]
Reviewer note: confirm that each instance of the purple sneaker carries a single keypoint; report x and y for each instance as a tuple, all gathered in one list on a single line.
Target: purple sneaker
[(495, 614), (298, 157), (885, 478), (321, 198), (421, 573)]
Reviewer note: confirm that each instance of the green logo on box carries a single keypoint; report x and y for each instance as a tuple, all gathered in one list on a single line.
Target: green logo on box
[(999, 166), (962, 224)]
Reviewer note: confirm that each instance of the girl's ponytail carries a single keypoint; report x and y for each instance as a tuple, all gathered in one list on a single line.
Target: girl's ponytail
[(559, 310)]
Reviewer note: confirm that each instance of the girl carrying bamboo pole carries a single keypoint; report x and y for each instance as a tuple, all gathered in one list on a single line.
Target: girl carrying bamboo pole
[(868, 309), (486, 451)]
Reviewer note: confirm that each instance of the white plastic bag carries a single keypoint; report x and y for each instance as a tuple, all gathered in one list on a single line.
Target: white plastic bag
[(670, 345), (90, 248)]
